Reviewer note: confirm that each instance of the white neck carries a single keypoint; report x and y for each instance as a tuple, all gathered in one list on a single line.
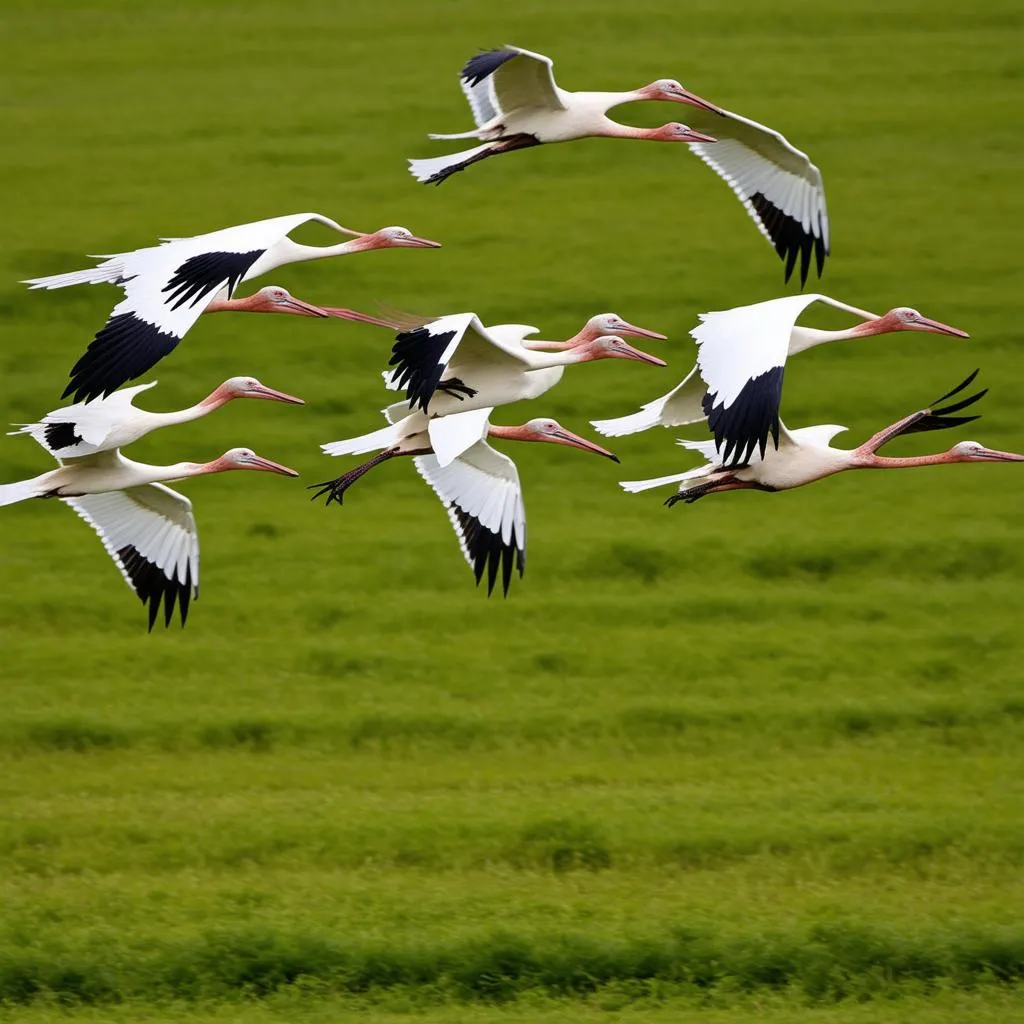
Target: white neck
[(193, 412), (803, 338), (604, 101), (287, 251)]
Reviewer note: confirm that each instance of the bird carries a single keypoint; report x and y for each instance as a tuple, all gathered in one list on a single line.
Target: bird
[(479, 488), (475, 366), (805, 455), (114, 422), (516, 103), (168, 286), (736, 383), (146, 528)]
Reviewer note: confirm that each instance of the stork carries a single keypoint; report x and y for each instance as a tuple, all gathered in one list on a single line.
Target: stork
[(806, 455), (146, 528), (479, 488), (114, 422), (516, 104), (168, 286), (736, 383)]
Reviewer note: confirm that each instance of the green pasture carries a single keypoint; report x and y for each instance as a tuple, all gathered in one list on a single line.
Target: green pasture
[(758, 758)]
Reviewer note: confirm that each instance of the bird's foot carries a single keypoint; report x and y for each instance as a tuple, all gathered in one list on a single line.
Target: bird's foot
[(334, 489), (456, 389)]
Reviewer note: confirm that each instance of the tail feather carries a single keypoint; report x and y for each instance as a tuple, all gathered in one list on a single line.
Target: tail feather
[(648, 416), (23, 489), (376, 440), (108, 272), (437, 168), (635, 486), (474, 134)]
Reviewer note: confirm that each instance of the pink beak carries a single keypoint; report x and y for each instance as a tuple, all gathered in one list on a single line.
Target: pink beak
[(257, 462), (998, 456), (629, 352), (694, 100), (362, 318), (575, 441), (936, 327), (640, 332), (300, 308), (420, 243), (274, 396), (694, 136)]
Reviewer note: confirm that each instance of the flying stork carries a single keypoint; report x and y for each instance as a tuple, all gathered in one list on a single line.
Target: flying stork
[(736, 383), (168, 286), (806, 455), (479, 487), (147, 528), (516, 103), (113, 422)]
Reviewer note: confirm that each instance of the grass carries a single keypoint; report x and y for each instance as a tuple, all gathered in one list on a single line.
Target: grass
[(755, 758)]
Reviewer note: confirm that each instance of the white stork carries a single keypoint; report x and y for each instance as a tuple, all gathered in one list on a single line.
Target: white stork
[(516, 103), (147, 528), (113, 422), (168, 286), (479, 487), (805, 455), (737, 382), (475, 366)]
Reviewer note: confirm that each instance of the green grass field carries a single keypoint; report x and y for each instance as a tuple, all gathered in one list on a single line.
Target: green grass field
[(755, 758)]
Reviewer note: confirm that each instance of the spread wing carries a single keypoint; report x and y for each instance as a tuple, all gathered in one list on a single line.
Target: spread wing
[(481, 493), (150, 533), (776, 182), (498, 82), (421, 357)]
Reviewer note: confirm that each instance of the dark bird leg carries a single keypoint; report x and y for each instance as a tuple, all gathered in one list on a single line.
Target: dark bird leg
[(456, 389), (505, 145), (726, 483), (335, 489)]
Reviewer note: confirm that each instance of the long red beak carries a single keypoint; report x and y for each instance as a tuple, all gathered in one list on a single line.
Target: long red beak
[(937, 327), (567, 437), (257, 462), (300, 308), (362, 318), (629, 352), (275, 396), (693, 100)]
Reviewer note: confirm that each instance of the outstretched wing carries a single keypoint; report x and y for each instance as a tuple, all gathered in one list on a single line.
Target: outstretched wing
[(741, 358), (150, 533), (83, 428), (481, 493), (421, 357), (498, 82), (167, 287), (680, 406), (776, 182)]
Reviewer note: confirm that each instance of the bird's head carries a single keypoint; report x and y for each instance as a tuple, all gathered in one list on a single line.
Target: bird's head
[(250, 387), (972, 451), (392, 237), (611, 346), (551, 431), (903, 318), (670, 89), (246, 458), (274, 299), (612, 323), (676, 132)]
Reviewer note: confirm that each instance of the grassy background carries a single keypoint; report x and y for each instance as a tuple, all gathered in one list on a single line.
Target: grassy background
[(757, 756)]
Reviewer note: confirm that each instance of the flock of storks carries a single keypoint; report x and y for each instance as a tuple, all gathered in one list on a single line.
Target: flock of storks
[(453, 371)]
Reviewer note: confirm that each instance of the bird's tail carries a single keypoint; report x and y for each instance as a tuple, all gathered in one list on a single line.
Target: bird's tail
[(648, 416), (376, 440), (10, 494), (110, 271), (434, 170), (635, 486), (474, 134)]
